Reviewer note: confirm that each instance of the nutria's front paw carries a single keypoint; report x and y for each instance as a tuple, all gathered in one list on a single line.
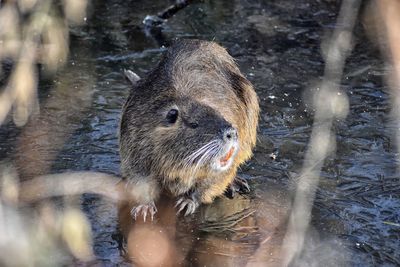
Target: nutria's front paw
[(188, 202), (239, 185), (144, 209)]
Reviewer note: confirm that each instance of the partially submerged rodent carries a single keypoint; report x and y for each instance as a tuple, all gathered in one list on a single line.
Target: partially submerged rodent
[(187, 126)]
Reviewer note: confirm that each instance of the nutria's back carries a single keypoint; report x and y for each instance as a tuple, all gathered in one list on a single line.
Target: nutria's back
[(190, 123)]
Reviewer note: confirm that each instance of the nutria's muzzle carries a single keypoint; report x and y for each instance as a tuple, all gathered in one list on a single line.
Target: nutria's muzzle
[(228, 150)]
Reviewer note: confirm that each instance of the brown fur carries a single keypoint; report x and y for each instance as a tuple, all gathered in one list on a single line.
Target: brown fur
[(202, 81)]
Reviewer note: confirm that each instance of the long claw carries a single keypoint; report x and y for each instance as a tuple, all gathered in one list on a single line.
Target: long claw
[(189, 203), (189, 210), (245, 185), (182, 207), (178, 202), (134, 212), (239, 185), (144, 215), (144, 209), (242, 184), (152, 212)]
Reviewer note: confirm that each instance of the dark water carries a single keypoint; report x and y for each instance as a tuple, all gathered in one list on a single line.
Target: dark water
[(277, 44)]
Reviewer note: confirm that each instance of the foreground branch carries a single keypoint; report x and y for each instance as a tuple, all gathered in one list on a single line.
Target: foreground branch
[(330, 104), (74, 183)]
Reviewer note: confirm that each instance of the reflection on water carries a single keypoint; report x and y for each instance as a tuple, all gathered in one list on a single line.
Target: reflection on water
[(277, 45)]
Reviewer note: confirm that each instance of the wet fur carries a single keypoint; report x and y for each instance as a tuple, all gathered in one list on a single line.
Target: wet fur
[(203, 81)]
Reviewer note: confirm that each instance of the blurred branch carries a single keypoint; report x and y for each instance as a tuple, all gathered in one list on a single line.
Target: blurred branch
[(330, 103), (388, 12), (74, 183), (32, 32), (67, 103), (41, 238)]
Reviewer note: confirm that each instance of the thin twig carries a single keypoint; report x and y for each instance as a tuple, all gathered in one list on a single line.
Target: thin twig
[(154, 20)]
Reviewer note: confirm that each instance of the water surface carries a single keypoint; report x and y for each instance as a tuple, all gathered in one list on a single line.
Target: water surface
[(277, 45)]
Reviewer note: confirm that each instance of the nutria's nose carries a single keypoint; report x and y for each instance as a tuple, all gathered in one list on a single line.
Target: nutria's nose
[(230, 134)]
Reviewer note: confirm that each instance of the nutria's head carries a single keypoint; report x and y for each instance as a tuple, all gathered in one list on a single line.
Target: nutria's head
[(182, 118), (182, 135)]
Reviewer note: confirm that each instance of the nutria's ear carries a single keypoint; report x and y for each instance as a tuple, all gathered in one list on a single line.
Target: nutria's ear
[(131, 76)]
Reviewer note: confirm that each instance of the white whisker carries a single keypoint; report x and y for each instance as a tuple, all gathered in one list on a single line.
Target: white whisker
[(208, 154), (199, 151)]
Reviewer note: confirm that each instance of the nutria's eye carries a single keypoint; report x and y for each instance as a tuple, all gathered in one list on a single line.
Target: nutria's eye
[(172, 115), (194, 125)]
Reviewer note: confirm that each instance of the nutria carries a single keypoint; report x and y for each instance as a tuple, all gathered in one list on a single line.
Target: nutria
[(187, 126)]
